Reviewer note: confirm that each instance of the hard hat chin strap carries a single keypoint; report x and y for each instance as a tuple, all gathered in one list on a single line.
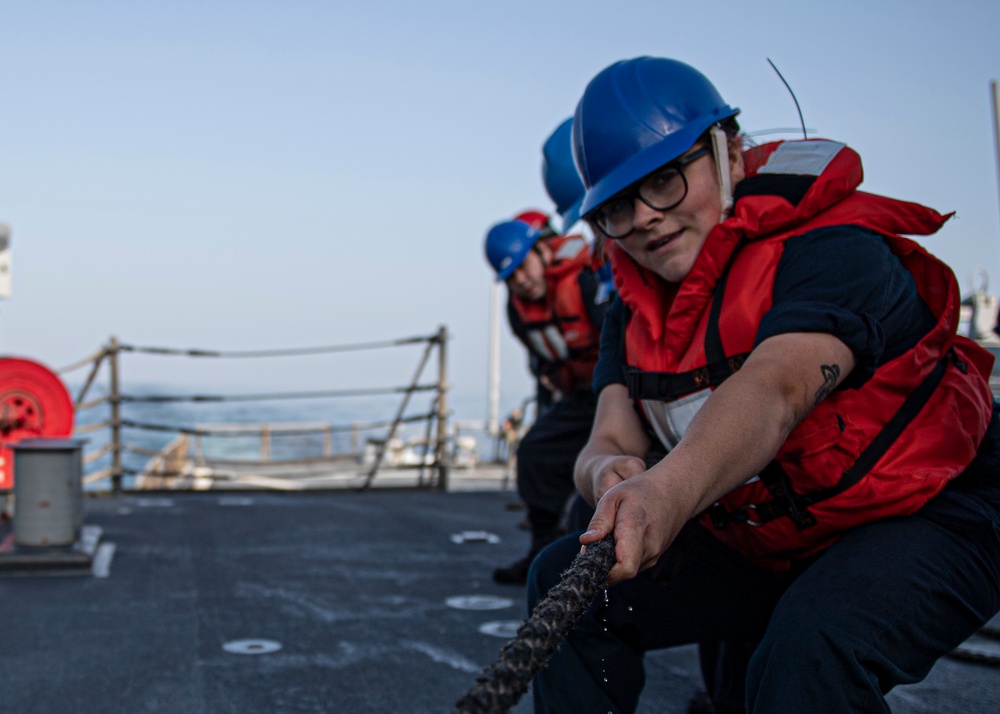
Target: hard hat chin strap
[(720, 145)]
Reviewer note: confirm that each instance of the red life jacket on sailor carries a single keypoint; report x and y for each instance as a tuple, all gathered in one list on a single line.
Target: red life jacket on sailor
[(557, 329), (883, 449)]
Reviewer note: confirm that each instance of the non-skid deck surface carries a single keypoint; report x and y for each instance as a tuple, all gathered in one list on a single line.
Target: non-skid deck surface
[(354, 586)]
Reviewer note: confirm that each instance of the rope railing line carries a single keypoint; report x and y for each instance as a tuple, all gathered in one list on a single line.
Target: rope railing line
[(172, 474), (277, 353), (501, 685), (370, 392), (139, 451), (306, 427), (92, 403), (279, 429), (194, 431), (97, 476), (95, 455), (211, 472), (88, 428), (82, 363)]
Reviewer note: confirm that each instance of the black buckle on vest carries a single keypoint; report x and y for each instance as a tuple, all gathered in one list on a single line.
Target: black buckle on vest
[(749, 513), (666, 386), (785, 502)]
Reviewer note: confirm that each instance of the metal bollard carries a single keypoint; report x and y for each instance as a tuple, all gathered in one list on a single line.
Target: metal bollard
[(48, 491)]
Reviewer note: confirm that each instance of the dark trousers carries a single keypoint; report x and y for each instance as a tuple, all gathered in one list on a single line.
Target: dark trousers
[(545, 461), (876, 609)]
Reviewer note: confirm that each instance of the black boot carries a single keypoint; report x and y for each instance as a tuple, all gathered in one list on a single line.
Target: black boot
[(514, 574), (517, 572)]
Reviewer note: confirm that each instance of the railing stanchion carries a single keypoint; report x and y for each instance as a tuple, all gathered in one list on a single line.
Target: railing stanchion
[(265, 443), (116, 421), (425, 446), (442, 409)]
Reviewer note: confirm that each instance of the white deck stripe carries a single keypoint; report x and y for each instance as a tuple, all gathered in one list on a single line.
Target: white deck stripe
[(101, 566)]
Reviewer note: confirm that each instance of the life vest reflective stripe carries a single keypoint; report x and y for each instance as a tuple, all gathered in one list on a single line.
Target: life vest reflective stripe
[(557, 328), (548, 342), (862, 454)]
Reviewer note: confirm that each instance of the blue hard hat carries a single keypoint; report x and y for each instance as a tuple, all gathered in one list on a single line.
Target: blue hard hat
[(508, 244), (562, 182), (637, 115)]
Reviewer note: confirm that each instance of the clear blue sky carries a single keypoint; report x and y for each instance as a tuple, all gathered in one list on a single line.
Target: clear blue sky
[(240, 175)]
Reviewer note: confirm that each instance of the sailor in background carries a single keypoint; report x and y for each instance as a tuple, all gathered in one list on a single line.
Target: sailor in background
[(555, 307), (832, 487), (553, 311)]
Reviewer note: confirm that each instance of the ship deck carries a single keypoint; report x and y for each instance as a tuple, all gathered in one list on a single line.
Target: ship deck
[(354, 586)]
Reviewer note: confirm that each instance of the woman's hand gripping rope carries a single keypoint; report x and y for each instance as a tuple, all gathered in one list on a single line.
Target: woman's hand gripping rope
[(502, 684)]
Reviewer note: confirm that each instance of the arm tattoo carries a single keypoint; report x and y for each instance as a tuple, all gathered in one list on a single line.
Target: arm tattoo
[(831, 373)]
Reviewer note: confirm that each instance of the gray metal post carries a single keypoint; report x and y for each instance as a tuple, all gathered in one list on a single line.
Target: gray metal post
[(116, 425), (442, 409), (265, 442)]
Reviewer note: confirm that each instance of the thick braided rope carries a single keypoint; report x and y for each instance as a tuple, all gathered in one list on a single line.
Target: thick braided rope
[(502, 684)]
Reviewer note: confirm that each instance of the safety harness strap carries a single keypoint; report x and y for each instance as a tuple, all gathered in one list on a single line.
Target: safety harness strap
[(667, 386)]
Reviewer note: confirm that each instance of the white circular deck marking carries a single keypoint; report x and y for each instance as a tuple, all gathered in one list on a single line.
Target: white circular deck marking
[(506, 629), (475, 537), (252, 647), (478, 602)]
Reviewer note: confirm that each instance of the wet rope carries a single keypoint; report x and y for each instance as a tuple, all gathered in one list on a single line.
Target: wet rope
[(502, 684)]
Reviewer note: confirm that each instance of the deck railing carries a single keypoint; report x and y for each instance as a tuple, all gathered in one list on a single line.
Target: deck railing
[(165, 464)]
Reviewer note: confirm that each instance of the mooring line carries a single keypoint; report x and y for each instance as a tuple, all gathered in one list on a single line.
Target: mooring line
[(502, 684)]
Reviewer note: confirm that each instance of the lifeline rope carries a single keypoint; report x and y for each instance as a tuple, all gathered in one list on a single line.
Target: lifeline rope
[(271, 353), (243, 431), (370, 392), (502, 684)]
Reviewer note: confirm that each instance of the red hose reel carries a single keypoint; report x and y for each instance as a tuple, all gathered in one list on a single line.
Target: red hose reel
[(34, 402)]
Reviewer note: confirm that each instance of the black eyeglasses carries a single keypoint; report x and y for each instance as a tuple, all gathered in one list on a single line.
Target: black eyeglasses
[(661, 190)]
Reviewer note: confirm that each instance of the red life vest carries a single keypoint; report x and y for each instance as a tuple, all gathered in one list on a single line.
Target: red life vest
[(556, 329), (883, 449)]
